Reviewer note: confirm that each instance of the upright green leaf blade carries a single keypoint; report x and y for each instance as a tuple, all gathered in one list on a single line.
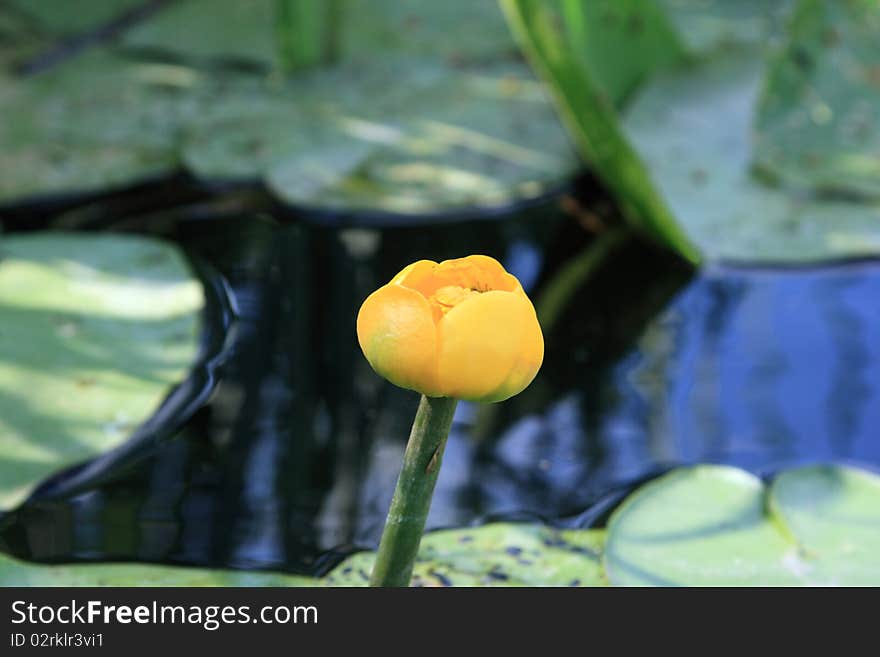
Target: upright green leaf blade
[(589, 115)]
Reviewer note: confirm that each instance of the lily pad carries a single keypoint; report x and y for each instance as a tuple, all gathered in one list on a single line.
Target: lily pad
[(422, 134), (96, 123), (621, 42), (710, 526), (20, 573), (834, 514), (692, 128), (437, 141), (64, 17), (205, 29), (819, 119), (367, 29), (498, 554), (706, 25), (95, 330)]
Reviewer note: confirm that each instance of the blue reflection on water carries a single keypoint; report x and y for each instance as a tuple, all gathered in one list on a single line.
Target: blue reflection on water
[(756, 368)]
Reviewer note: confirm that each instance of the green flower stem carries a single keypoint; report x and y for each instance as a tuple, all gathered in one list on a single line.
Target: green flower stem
[(412, 497)]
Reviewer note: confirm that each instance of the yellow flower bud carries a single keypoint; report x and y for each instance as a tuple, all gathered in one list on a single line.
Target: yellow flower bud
[(463, 328)]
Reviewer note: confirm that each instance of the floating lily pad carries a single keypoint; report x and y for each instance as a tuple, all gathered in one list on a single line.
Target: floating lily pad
[(94, 124), (20, 37), (693, 130), (499, 554), (424, 28), (819, 119), (367, 29), (437, 141), (204, 29), (20, 573), (621, 42), (65, 17), (422, 134), (709, 525), (706, 25), (95, 329), (834, 514)]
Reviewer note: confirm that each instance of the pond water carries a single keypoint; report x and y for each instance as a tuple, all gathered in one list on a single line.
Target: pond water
[(282, 451)]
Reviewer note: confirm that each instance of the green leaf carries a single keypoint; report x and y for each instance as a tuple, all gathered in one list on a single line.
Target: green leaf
[(818, 121), (498, 554), (593, 124), (95, 329), (833, 512), (19, 573), (692, 128), (709, 525)]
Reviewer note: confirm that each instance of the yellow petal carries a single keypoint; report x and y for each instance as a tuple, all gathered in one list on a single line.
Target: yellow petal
[(490, 347), (398, 336), (412, 276)]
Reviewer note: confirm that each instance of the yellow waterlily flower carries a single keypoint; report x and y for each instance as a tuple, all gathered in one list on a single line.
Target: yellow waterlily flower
[(462, 328)]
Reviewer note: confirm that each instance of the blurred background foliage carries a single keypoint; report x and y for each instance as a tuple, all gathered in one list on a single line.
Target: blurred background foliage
[(726, 130)]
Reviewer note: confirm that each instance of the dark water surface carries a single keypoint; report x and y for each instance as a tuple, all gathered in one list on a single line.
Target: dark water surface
[(293, 457)]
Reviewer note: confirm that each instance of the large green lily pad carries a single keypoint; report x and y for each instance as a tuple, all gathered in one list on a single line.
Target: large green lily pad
[(439, 141), (366, 29), (92, 125), (413, 130), (707, 25), (63, 17), (94, 331), (206, 29), (499, 554), (476, 138), (19, 573), (719, 526), (703, 525), (833, 513), (693, 130), (621, 42), (819, 119)]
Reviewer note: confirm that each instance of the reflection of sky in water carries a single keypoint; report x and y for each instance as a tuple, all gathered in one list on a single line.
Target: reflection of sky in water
[(756, 368)]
